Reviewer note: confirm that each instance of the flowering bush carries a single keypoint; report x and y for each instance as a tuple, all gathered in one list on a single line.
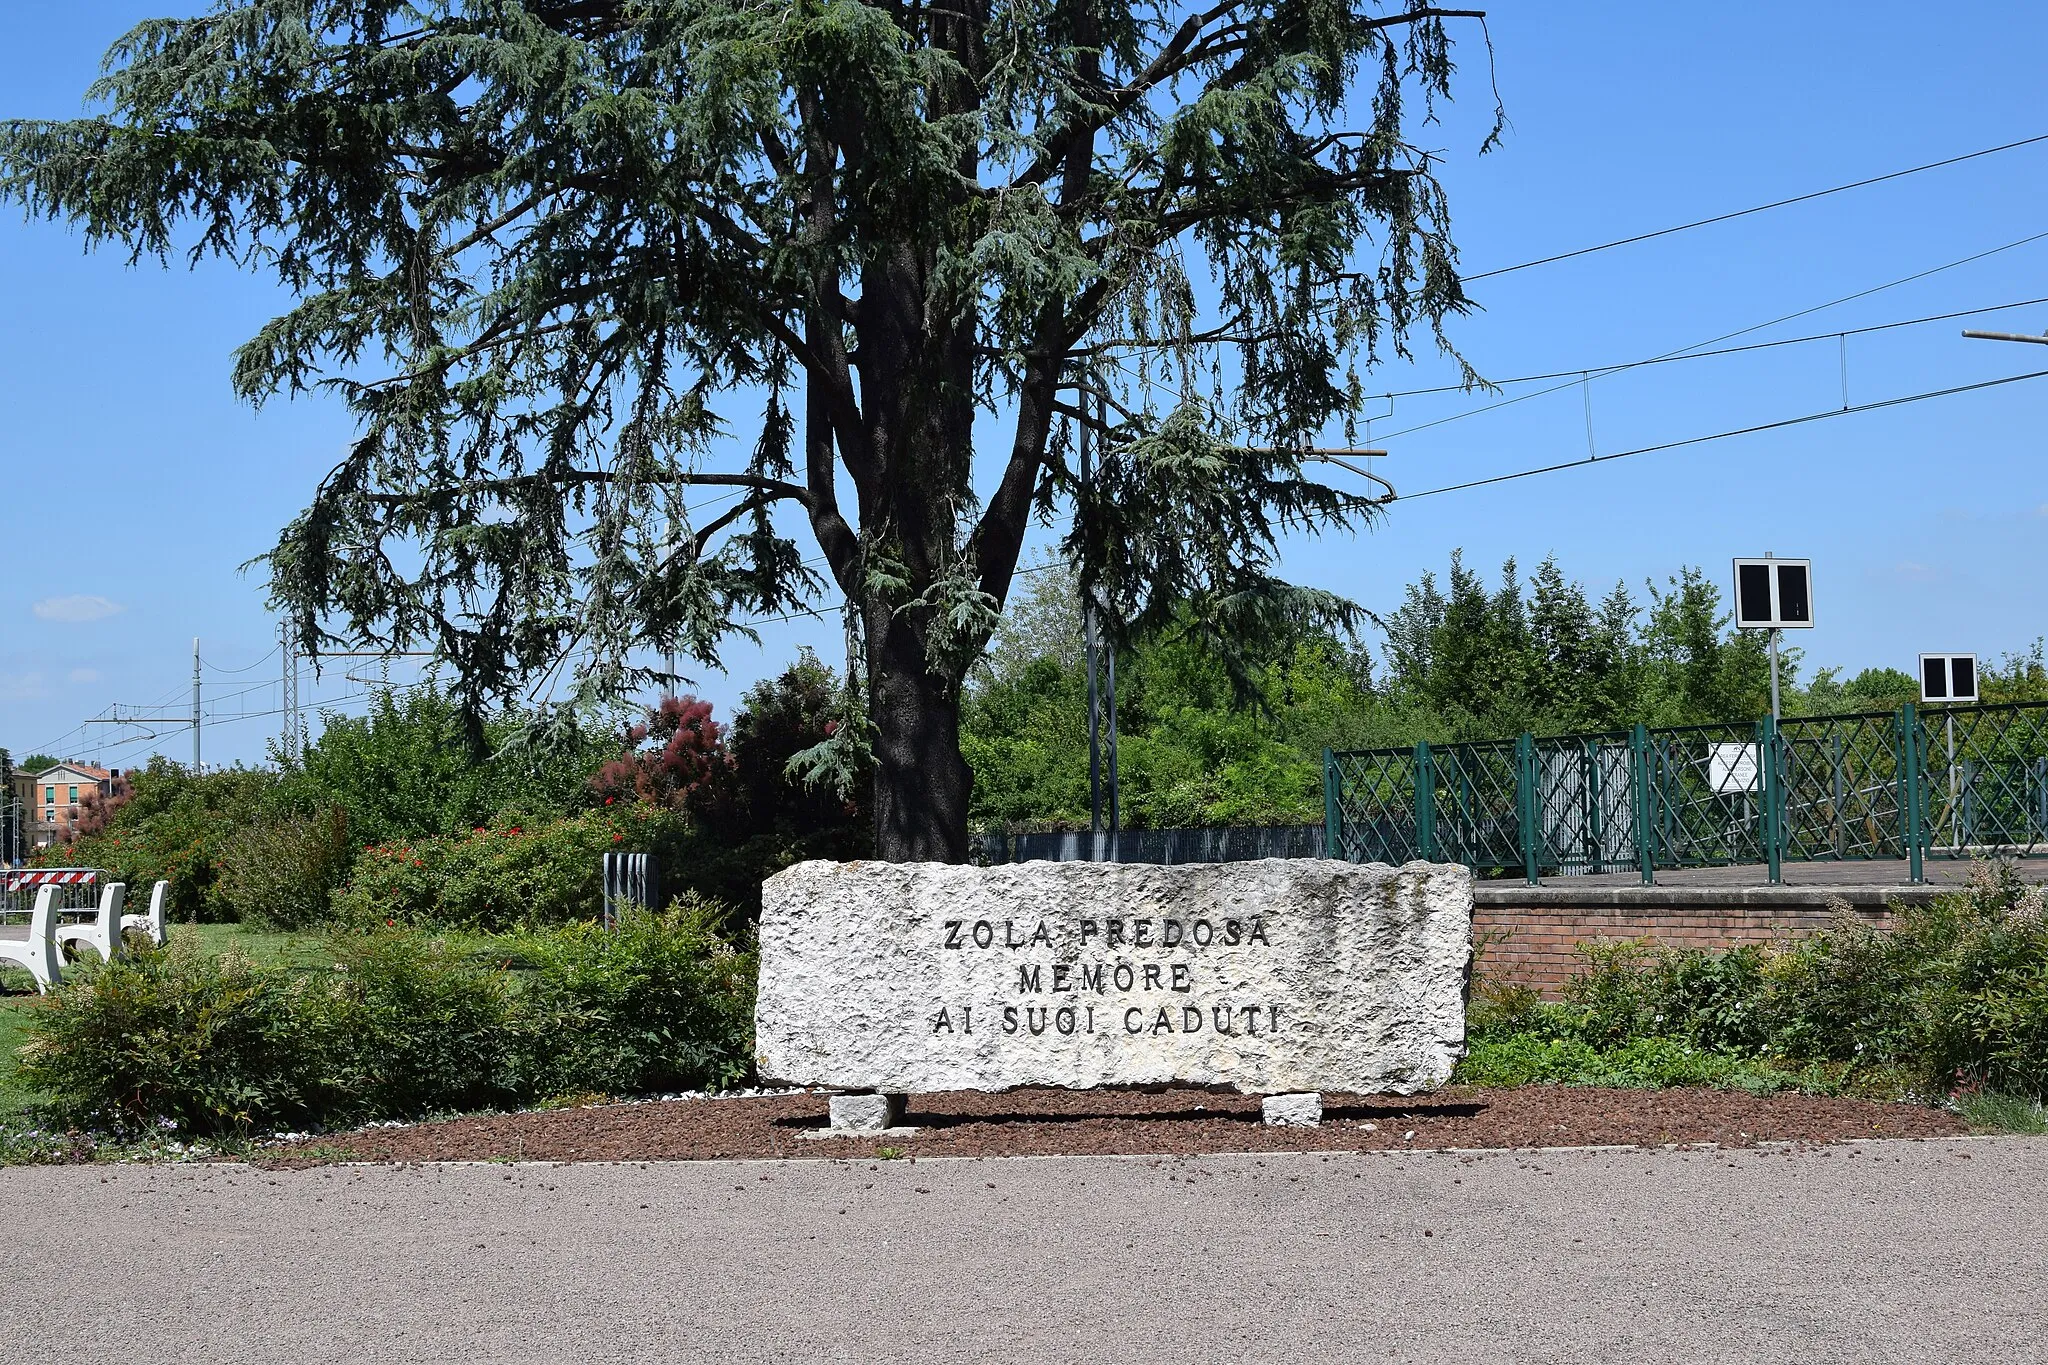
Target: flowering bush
[(687, 769)]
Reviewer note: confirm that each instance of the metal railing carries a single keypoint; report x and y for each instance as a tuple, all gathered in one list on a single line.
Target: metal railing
[(1217, 844), (1950, 782), (78, 888)]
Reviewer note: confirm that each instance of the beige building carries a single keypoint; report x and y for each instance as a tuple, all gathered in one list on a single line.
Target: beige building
[(57, 795)]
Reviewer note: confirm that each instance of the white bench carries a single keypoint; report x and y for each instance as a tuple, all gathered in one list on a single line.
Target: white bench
[(38, 950), (152, 921), (102, 932)]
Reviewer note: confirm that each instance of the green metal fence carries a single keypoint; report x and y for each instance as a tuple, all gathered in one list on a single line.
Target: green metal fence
[(1949, 782)]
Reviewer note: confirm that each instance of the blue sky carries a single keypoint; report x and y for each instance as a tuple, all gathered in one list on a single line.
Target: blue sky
[(135, 485)]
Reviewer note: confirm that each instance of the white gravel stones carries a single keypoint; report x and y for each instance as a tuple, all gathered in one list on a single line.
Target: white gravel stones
[(866, 1113), (1293, 1111), (1273, 977)]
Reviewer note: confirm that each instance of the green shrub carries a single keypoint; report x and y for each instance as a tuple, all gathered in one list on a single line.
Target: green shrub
[(177, 827), (660, 1004), (507, 877), (520, 875), (1954, 994), (402, 1026), (204, 1043), (412, 1027), (280, 873), (404, 770)]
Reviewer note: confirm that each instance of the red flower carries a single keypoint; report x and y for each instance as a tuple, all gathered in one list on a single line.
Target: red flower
[(616, 838), (417, 863), (607, 800)]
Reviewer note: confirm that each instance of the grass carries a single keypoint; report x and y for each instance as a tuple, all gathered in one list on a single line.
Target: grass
[(1991, 1111)]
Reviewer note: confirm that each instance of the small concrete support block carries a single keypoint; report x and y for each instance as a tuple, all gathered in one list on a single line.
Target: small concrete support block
[(871, 1113), (1294, 1111)]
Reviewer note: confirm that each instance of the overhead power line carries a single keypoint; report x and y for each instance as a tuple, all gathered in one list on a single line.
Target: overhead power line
[(1725, 336), (1760, 208), (1598, 371), (1900, 401)]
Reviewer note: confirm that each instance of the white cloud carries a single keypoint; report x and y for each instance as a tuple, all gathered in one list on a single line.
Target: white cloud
[(76, 607), (85, 675)]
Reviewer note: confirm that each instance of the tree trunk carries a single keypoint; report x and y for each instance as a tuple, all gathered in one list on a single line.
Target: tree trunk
[(922, 783)]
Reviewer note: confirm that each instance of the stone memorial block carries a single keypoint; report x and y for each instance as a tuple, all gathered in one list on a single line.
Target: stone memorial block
[(1271, 977)]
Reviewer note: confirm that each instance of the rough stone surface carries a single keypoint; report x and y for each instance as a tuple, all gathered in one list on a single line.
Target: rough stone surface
[(1269, 977), (866, 1113), (1293, 1111)]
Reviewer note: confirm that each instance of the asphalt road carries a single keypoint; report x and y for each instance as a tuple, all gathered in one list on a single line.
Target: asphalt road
[(1864, 1252)]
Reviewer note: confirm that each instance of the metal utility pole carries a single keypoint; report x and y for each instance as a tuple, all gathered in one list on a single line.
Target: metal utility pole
[(288, 750), (1775, 633), (195, 706)]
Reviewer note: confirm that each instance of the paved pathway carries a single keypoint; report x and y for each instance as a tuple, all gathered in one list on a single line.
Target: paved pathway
[(1863, 1252)]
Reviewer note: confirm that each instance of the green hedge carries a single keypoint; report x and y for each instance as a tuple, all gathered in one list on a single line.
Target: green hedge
[(521, 875), (1953, 996), (403, 1026)]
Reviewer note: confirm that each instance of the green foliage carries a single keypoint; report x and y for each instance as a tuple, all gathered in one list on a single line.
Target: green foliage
[(409, 1027), (1952, 997), (2017, 677), (1191, 753), (278, 873), (1480, 663), (203, 1043), (658, 1005), (1639, 1063), (178, 826), (1873, 689), (507, 876), (2003, 1113), (36, 763), (401, 1025), (1709, 1000), (405, 769)]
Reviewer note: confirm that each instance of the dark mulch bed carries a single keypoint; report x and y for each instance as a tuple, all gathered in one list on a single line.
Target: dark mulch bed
[(1164, 1122)]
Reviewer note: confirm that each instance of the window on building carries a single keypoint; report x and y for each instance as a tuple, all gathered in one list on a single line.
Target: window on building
[(74, 796), (50, 795)]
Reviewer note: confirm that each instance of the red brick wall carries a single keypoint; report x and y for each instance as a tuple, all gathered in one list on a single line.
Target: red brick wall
[(1532, 944)]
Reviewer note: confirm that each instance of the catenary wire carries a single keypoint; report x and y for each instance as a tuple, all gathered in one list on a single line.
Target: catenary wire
[(1899, 401), (1725, 336), (1760, 208)]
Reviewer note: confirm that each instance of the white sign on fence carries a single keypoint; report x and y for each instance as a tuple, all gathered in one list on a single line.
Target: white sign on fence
[(1732, 768)]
